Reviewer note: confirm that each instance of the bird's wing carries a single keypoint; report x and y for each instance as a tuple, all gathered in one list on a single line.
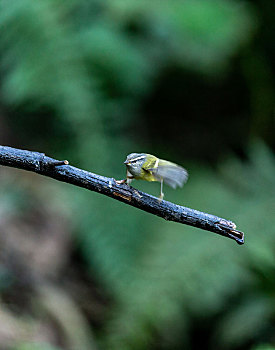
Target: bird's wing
[(150, 164), (172, 174)]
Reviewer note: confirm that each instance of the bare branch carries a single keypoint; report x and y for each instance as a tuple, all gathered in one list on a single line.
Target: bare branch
[(60, 170)]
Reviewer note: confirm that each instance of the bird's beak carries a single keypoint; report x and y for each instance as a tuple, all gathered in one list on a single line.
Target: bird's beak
[(126, 162)]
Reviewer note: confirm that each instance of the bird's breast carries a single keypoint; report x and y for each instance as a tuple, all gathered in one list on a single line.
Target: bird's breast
[(146, 175)]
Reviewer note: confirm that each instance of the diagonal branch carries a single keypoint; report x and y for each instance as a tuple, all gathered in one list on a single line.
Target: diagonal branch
[(60, 170)]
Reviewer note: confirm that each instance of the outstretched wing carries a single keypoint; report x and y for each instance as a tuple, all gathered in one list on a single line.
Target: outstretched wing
[(172, 174)]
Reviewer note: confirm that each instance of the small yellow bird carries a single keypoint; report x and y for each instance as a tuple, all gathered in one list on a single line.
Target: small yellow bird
[(144, 166)]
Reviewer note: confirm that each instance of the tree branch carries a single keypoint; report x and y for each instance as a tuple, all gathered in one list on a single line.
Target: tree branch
[(60, 170)]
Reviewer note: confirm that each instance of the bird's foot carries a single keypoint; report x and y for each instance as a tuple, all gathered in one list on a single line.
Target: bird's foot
[(161, 197), (119, 182)]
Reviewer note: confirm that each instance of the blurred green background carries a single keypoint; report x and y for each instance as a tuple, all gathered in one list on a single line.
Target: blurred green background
[(92, 81)]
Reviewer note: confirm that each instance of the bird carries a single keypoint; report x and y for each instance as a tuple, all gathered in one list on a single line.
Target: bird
[(145, 166)]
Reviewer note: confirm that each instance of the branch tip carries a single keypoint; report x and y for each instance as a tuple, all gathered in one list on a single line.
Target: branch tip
[(229, 230)]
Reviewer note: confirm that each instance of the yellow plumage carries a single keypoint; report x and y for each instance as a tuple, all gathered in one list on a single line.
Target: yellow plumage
[(144, 166)]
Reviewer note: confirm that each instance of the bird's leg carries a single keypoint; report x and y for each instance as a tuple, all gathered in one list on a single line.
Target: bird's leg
[(161, 193), (129, 177), (128, 180)]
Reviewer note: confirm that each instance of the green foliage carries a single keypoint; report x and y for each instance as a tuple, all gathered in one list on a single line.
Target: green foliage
[(90, 63), (41, 57), (263, 347), (48, 51), (199, 34), (35, 346)]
